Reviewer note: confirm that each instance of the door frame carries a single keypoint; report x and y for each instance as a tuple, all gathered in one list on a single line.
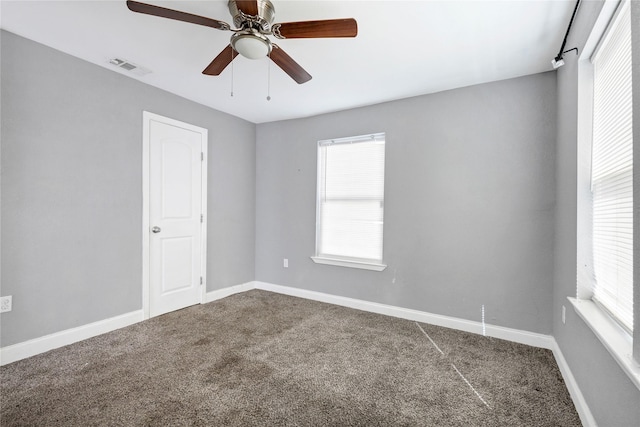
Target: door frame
[(147, 118)]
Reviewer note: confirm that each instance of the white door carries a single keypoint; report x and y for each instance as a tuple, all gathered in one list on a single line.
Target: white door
[(175, 214)]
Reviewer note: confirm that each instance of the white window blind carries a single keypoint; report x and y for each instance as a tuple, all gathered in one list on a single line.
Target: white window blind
[(350, 205), (612, 171)]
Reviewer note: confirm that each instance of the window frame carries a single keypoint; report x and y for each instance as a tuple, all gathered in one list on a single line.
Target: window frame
[(616, 339), (611, 173), (338, 260)]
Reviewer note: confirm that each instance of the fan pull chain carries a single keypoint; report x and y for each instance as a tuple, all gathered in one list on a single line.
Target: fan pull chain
[(269, 77), (232, 72)]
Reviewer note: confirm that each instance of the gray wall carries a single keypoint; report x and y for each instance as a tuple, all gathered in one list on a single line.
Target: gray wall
[(481, 202), (469, 212), (610, 394), (72, 190)]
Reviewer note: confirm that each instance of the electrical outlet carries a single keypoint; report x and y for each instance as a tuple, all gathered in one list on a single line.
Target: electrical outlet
[(286, 263), (564, 314), (5, 304)]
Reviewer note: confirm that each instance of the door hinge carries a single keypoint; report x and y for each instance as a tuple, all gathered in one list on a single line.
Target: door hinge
[(202, 156), (200, 280), (201, 218)]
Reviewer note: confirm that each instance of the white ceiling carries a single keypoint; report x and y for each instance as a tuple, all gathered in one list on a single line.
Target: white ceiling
[(403, 48)]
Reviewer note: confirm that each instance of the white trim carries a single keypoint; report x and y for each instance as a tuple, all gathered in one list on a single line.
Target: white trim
[(376, 136), (609, 17), (584, 265), (351, 264), (145, 213), (22, 350), (599, 27), (231, 290), (615, 339), (147, 117), (39, 345), (576, 395), (320, 257), (205, 217), (515, 335)]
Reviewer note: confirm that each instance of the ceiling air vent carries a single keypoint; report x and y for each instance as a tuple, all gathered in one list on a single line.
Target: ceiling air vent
[(129, 66)]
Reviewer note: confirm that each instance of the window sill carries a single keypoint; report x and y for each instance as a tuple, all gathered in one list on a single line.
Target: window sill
[(616, 340), (350, 264)]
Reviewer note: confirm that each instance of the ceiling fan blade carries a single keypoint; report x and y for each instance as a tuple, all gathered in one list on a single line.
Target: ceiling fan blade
[(288, 65), (316, 29), (221, 61), (248, 7), (163, 12)]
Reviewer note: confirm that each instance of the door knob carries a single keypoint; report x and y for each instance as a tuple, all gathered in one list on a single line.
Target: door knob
[(156, 229)]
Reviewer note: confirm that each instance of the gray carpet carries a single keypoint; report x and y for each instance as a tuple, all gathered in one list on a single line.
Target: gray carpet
[(263, 359)]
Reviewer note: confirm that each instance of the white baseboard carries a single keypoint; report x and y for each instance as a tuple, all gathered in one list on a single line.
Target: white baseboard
[(39, 345), (35, 346), (576, 395), (231, 290), (515, 335)]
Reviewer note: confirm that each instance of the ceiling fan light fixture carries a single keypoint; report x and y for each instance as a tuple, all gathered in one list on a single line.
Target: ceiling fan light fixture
[(254, 22), (252, 46)]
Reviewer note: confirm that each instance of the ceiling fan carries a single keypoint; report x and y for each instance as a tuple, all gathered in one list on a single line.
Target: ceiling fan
[(254, 22)]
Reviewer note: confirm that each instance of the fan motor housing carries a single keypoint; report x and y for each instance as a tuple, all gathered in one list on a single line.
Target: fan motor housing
[(261, 22)]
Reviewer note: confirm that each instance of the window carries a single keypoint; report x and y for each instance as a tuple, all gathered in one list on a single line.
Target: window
[(605, 285), (350, 202), (612, 172)]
